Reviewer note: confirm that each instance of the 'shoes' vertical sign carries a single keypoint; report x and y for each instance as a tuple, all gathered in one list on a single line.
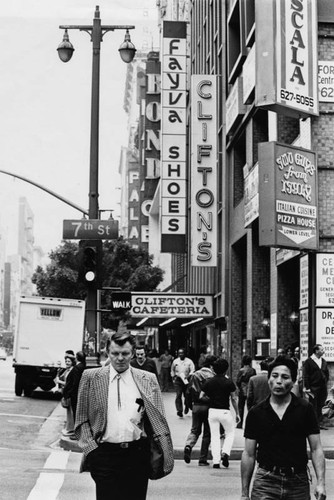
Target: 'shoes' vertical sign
[(173, 136), (203, 170)]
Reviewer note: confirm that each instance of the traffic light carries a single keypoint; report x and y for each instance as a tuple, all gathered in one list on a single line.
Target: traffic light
[(90, 263), (91, 254)]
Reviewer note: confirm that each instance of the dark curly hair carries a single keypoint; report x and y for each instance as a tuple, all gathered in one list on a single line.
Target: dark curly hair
[(284, 361)]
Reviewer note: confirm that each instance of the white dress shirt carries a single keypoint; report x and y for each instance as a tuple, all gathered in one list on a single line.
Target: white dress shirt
[(124, 423), (317, 360)]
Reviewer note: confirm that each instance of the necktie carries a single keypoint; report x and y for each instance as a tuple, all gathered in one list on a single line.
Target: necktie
[(118, 377)]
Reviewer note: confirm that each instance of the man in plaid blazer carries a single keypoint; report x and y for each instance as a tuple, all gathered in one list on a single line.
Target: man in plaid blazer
[(118, 406)]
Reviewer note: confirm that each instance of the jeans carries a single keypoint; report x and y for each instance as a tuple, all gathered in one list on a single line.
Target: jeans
[(120, 473), (199, 419), (270, 486), (180, 389), (216, 419)]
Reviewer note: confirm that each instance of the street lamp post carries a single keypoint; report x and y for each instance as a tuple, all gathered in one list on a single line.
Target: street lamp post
[(127, 52)]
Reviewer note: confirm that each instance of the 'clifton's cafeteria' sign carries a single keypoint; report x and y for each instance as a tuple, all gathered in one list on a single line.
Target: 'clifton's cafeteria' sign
[(288, 213), (168, 305)]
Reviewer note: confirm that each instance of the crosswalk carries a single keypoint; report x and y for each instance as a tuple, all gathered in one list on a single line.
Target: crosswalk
[(7, 394), (52, 477)]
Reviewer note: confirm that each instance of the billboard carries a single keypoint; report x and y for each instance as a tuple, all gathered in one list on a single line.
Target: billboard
[(204, 164), (286, 56), (173, 137), (325, 280), (251, 194), (325, 331), (288, 208)]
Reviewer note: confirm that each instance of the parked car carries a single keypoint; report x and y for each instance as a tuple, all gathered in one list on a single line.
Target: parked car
[(3, 354)]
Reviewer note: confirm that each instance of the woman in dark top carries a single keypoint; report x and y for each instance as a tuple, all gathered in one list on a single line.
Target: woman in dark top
[(73, 380), (220, 389)]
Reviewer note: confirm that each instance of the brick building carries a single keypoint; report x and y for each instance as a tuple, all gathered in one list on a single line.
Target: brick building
[(259, 166)]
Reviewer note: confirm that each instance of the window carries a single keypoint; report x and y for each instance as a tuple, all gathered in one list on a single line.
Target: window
[(239, 160), (249, 6), (236, 47)]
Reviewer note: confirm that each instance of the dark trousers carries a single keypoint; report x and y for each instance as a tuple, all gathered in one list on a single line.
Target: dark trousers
[(120, 473), (320, 396), (164, 375), (200, 415), (180, 389), (74, 406)]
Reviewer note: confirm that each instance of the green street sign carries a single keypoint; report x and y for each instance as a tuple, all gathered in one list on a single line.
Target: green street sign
[(90, 229)]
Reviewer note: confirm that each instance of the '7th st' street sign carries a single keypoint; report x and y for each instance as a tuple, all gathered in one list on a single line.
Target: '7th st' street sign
[(90, 229)]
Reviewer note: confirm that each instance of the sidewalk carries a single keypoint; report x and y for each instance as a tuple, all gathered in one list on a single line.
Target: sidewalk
[(180, 428)]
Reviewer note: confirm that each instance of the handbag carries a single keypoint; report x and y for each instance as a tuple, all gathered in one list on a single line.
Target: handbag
[(328, 409), (65, 402)]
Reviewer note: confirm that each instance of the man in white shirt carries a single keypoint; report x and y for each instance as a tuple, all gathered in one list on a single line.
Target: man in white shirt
[(118, 406), (181, 369)]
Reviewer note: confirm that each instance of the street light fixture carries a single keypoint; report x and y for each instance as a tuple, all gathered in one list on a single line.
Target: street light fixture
[(127, 52), (65, 48)]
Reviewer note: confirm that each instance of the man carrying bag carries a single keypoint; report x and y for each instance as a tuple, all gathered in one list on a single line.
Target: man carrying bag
[(121, 426)]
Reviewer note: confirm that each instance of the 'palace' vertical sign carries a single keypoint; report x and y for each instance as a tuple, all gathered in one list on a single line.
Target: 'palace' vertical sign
[(203, 170), (173, 136)]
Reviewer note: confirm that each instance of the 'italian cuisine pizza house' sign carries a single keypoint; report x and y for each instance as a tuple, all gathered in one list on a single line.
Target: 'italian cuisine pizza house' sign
[(288, 212)]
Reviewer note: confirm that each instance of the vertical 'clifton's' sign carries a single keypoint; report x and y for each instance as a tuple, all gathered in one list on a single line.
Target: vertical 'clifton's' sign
[(173, 137), (203, 170)]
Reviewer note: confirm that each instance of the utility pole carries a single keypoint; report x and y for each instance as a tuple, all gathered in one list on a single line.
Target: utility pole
[(127, 51)]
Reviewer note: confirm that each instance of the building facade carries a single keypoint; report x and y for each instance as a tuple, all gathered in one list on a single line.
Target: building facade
[(247, 98)]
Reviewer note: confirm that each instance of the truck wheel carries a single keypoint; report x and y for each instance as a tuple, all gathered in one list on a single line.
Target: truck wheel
[(28, 390), (18, 385)]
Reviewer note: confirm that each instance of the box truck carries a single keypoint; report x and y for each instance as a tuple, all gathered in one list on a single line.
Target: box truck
[(46, 327)]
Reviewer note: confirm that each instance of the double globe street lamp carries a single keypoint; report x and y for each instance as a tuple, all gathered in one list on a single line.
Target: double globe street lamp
[(127, 52)]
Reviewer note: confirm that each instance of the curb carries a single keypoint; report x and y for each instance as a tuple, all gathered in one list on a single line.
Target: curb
[(70, 445)]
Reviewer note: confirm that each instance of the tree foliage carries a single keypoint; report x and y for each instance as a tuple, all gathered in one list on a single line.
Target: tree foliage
[(123, 267), (60, 277), (129, 268)]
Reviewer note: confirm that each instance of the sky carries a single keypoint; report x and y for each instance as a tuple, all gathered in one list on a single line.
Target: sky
[(45, 108)]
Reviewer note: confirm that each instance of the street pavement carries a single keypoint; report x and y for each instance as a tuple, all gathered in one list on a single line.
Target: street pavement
[(180, 428), (187, 481)]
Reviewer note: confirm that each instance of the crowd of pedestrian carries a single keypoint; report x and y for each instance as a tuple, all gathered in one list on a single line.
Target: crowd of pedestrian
[(279, 406)]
